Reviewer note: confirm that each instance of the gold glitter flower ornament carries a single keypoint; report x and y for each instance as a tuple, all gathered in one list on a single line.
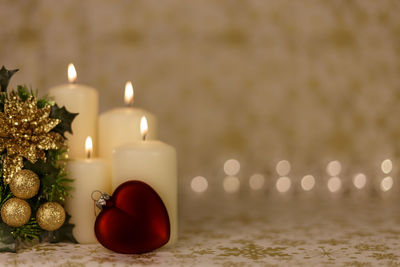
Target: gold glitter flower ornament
[(25, 132)]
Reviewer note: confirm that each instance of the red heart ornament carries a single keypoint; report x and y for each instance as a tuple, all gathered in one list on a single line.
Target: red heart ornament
[(134, 220)]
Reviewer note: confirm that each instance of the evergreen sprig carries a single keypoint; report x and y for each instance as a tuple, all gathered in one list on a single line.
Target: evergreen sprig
[(54, 181), (5, 193), (28, 232)]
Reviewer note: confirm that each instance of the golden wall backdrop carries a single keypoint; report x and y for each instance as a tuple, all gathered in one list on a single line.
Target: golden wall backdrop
[(260, 80)]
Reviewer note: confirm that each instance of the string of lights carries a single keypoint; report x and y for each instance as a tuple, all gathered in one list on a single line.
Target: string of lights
[(331, 179)]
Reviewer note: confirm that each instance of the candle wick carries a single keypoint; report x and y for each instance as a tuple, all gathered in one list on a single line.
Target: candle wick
[(130, 103), (144, 136), (89, 154)]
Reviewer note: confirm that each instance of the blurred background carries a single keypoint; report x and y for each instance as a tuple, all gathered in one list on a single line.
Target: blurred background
[(255, 81)]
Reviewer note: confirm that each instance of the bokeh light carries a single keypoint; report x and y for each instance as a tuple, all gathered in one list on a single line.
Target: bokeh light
[(199, 184), (231, 184), (283, 184), (334, 184), (256, 181), (283, 167), (308, 182), (334, 168), (231, 167), (387, 166), (386, 183), (359, 180)]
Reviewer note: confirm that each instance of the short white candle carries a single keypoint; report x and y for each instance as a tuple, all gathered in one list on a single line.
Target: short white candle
[(89, 175), (120, 126), (154, 163), (82, 99)]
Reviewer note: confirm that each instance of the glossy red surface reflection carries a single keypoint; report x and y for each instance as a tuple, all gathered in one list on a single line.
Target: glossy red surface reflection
[(134, 220)]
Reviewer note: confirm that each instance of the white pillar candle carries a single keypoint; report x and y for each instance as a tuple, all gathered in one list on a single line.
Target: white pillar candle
[(120, 126), (154, 163), (88, 175), (82, 99)]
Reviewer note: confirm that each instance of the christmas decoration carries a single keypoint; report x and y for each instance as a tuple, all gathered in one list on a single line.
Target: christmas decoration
[(5, 76), (50, 216), (65, 123), (25, 184), (15, 212), (133, 220), (33, 151), (25, 133)]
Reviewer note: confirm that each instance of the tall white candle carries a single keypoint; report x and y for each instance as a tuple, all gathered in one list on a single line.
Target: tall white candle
[(120, 126), (89, 175), (82, 99), (154, 163)]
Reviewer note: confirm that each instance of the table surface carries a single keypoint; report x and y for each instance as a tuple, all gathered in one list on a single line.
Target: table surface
[(233, 232)]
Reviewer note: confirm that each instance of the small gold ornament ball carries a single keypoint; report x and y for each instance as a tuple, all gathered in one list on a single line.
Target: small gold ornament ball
[(15, 212), (50, 216), (25, 184)]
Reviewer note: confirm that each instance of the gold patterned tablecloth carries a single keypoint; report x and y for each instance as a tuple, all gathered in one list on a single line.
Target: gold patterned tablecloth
[(255, 233)]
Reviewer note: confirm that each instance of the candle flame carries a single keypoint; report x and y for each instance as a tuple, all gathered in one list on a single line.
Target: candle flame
[(144, 127), (71, 73), (129, 94), (89, 147)]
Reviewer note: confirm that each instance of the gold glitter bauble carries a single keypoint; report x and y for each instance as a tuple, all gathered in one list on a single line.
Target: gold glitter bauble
[(25, 184), (50, 216), (15, 212)]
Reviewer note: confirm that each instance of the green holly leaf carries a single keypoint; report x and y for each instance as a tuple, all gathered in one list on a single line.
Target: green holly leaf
[(5, 76), (7, 242), (47, 173), (66, 118), (42, 168)]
